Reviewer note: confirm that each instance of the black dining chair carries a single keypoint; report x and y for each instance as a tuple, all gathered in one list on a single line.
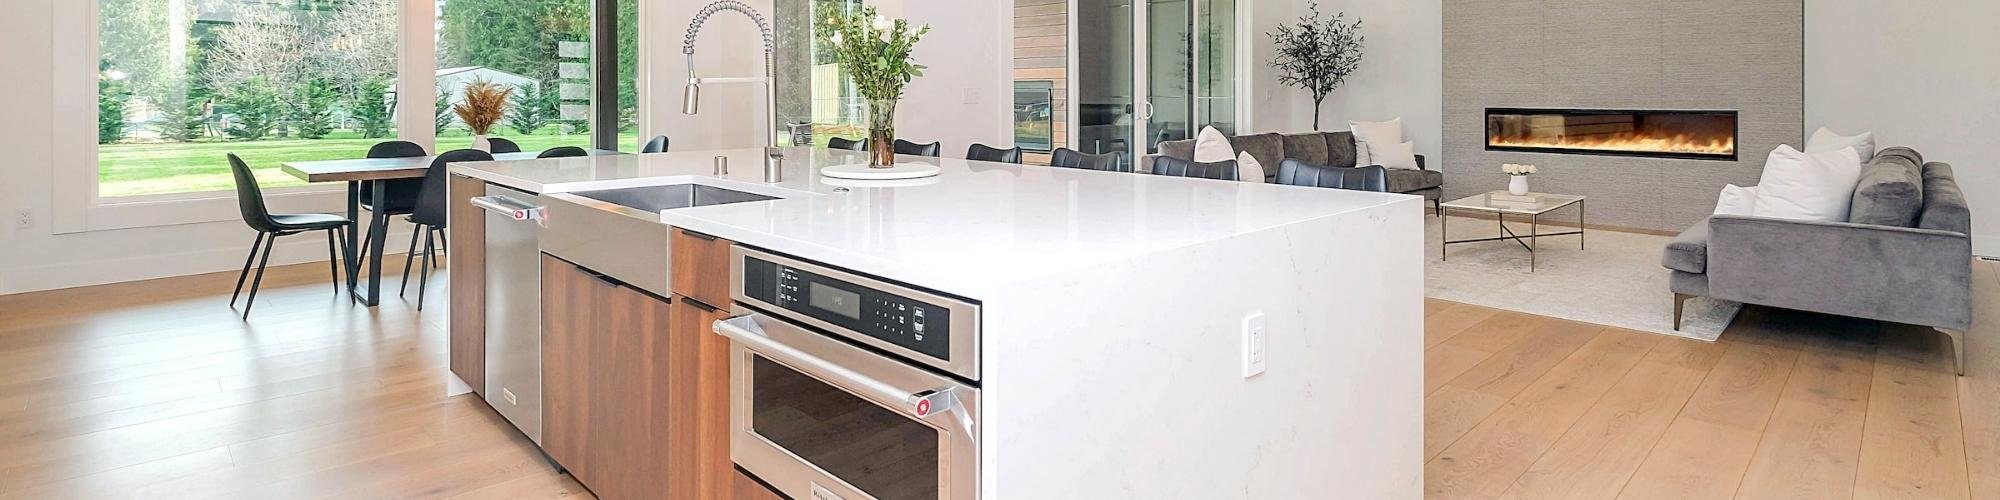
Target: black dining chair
[(503, 146), (913, 149), (269, 226), (1298, 173), (657, 145), (847, 144), (563, 152), (982, 152), (1109, 162), (1175, 167), (431, 217), (402, 193)]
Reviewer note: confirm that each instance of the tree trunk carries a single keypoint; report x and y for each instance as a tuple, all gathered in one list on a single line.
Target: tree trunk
[(1317, 101)]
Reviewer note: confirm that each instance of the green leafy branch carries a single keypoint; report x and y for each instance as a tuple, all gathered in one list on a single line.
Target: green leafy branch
[(875, 51)]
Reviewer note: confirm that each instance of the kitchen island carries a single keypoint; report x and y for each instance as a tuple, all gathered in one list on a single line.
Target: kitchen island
[(1111, 335)]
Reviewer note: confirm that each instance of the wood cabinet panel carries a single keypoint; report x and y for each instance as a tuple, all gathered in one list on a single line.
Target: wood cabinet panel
[(467, 265), (747, 488), (569, 303), (701, 375), (630, 399), (701, 267)]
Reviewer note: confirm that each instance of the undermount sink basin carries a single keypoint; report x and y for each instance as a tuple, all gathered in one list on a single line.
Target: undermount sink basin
[(656, 198)]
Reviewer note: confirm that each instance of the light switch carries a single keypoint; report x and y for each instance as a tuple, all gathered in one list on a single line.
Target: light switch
[(1255, 344)]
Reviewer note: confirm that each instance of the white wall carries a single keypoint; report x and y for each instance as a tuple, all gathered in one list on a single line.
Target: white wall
[(1401, 74), (1917, 73)]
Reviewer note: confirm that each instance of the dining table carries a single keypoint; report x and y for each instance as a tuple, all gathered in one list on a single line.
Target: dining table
[(368, 172)]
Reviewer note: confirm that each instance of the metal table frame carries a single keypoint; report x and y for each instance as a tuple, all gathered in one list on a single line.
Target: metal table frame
[(1533, 238)]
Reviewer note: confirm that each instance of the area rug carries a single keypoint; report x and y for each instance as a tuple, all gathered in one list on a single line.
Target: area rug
[(1614, 280)]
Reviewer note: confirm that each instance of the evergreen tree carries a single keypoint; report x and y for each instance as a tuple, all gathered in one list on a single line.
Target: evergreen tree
[(372, 109), (111, 97), (532, 108), (442, 109), (312, 109), (254, 109)]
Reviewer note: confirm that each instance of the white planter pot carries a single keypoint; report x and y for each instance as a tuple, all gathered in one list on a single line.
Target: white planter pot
[(480, 142), (1518, 186)]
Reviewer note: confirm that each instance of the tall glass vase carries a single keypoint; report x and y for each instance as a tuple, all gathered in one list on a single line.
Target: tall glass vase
[(881, 133)]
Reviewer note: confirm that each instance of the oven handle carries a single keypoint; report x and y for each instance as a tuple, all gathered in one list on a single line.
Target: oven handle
[(744, 329)]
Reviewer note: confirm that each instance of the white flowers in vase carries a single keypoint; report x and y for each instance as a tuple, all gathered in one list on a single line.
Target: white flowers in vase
[(1518, 169)]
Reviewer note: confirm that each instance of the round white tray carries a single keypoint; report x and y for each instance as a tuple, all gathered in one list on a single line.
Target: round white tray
[(865, 172)]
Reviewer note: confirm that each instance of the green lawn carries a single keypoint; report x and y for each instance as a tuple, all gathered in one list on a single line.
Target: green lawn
[(139, 169)]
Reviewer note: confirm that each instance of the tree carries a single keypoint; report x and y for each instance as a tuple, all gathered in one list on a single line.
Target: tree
[(312, 109), (307, 48), (254, 109), (372, 109), (532, 108), (111, 96), (442, 108), (1317, 54)]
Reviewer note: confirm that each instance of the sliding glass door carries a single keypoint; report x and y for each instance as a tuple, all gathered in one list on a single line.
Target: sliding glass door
[(1176, 75)]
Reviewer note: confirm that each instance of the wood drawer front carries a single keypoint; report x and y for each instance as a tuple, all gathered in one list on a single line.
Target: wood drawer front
[(699, 373), (701, 267), (467, 261), (747, 488)]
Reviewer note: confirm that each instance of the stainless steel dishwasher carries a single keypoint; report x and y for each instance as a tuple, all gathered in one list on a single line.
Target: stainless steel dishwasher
[(514, 307)]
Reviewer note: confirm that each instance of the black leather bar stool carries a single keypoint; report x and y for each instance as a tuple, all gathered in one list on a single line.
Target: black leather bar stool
[(269, 226), (1109, 162), (847, 144), (913, 149), (982, 152), (1297, 173), (657, 145), (1176, 167)]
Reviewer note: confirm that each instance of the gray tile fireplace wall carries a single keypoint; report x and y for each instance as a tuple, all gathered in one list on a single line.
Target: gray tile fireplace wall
[(1743, 55)]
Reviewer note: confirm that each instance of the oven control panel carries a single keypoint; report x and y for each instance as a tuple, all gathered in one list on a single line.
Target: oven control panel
[(903, 321)]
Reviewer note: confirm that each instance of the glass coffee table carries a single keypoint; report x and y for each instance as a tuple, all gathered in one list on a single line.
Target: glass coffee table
[(1501, 204)]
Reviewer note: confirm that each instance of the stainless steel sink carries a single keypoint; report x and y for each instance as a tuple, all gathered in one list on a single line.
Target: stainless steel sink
[(653, 199)]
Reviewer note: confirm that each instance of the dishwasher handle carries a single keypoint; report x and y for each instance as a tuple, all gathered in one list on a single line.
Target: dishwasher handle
[(510, 208)]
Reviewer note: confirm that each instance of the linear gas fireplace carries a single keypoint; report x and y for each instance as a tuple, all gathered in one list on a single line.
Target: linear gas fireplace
[(1703, 135)]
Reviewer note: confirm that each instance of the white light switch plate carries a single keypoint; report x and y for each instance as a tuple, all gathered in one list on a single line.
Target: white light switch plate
[(1255, 344)]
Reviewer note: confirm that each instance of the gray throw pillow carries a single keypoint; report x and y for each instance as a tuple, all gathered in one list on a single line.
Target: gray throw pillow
[(1889, 194)]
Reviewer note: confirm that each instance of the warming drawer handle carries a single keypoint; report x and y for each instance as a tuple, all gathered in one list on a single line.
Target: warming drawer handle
[(744, 329), (509, 207)]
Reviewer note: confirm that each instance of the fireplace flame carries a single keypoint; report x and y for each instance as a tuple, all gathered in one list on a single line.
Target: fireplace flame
[(1624, 142)]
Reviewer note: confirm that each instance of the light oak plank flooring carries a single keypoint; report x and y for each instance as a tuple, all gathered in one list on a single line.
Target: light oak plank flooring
[(156, 390)]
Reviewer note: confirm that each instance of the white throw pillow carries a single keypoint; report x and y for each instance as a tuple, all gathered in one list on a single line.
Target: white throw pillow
[(1248, 170), (1736, 200), (1369, 136), (1211, 146), (1401, 156), (1807, 186), (1824, 140)]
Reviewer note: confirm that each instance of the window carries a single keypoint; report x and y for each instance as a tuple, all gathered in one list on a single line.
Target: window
[(181, 83), (813, 88), (543, 50)]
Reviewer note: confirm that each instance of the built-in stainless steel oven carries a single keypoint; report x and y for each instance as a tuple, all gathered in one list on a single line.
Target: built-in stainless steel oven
[(849, 387)]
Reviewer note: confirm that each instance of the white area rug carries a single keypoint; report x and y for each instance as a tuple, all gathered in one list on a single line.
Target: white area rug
[(1615, 280)]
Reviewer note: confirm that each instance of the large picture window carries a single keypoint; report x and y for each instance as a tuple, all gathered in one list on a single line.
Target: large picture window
[(545, 52), (181, 83)]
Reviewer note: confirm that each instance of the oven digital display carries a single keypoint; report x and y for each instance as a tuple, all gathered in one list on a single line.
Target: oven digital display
[(834, 300)]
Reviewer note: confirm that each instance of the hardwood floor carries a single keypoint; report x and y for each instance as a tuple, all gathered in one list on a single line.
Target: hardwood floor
[(156, 390), (1786, 405)]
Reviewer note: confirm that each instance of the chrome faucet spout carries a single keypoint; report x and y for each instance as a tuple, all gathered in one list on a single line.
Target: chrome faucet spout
[(691, 98)]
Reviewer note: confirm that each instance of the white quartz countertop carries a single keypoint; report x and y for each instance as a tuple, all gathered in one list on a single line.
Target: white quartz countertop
[(976, 227)]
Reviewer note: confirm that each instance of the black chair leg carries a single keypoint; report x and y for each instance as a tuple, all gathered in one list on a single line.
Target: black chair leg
[(434, 248), (254, 245), (409, 258), (333, 260), (424, 278), (342, 234), (254, 284)]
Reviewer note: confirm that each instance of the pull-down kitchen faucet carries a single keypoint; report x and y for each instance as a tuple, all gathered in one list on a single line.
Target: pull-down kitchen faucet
[(691, 98)]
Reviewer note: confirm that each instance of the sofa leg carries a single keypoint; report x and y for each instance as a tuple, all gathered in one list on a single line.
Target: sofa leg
[(1680, 304), (1957, 349)]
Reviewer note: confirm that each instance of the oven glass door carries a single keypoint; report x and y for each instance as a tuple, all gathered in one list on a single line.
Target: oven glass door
[(818, 418), (879, 451)]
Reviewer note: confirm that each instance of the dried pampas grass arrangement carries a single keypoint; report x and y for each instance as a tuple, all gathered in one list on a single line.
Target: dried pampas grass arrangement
[(485, 103)]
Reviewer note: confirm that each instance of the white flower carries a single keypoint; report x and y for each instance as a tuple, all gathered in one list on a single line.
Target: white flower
[(836, 38), (882, 23)]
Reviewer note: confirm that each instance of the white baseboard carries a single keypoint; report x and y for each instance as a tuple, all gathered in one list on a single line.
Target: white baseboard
[(1986, 246), (295, 249)]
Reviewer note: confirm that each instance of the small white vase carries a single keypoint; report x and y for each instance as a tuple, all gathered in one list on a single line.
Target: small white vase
[(1518, 186), (480, 142)]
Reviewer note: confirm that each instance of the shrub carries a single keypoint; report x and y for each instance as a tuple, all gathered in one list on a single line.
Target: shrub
[(111, 97), (312, 110), (372, 109), (254, 109)]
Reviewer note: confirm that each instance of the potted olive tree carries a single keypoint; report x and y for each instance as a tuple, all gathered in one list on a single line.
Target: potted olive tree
[(1317, 53)]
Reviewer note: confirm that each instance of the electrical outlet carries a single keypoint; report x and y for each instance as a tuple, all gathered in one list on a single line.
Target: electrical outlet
[(509, 396), (25, 219), (1255, 344), (972, 95)]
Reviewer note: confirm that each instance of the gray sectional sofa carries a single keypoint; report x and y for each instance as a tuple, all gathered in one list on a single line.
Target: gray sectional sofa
[(1334, 149), (1903, 256)]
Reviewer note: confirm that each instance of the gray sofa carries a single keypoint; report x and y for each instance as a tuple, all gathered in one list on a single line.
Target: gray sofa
[(1333, 149), (1903, 256)]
